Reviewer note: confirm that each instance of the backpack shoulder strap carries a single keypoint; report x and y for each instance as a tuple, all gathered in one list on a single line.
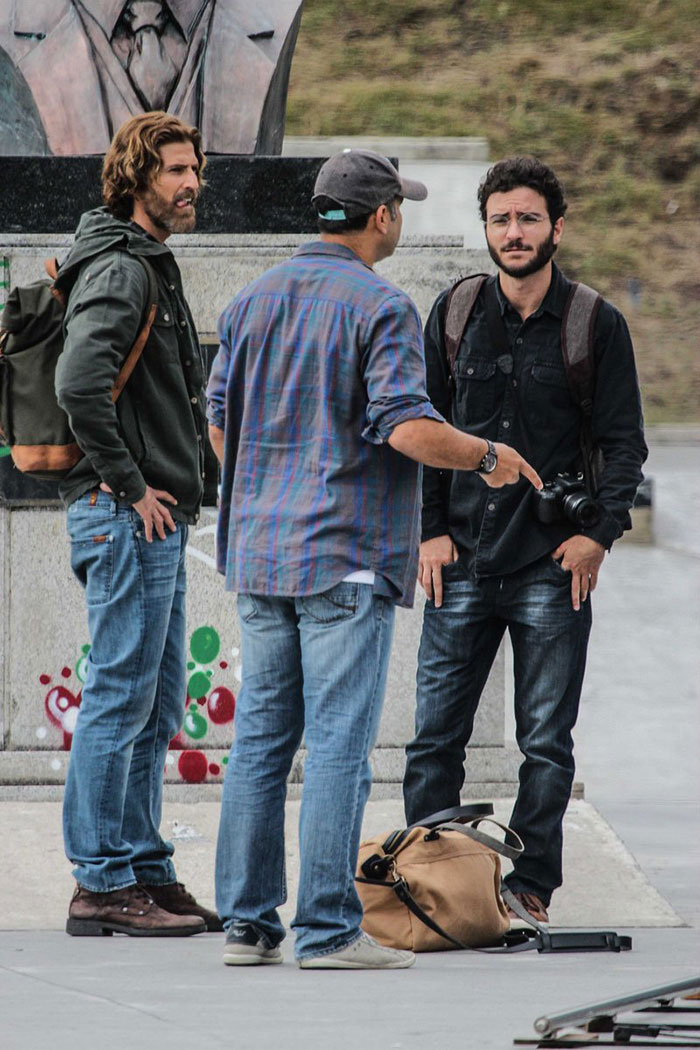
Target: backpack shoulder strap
[(577, 329), (577, 349), (149, 317), (460, 303)]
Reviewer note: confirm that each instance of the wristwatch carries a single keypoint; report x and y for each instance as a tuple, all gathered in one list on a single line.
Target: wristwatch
[(490, 460)]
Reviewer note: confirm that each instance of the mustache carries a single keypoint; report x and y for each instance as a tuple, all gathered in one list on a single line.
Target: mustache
[(190, 197), (517, 244)]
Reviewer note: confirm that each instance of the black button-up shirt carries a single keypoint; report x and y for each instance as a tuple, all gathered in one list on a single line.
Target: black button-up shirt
[(495, 530)]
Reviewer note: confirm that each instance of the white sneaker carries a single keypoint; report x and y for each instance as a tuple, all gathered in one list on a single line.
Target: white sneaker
[(363, 954)]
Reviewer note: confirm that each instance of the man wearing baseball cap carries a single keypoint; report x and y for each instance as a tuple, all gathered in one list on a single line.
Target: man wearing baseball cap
[(319, 414)]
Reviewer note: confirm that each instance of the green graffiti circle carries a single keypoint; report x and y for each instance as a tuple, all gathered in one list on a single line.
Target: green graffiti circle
[(194, 725), (81, 669), (205, 644), (198, 685)]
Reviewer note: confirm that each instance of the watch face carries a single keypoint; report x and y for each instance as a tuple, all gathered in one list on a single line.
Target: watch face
[(490, 460)]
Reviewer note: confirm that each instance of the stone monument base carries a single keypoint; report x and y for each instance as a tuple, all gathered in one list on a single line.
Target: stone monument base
[(44, 631)]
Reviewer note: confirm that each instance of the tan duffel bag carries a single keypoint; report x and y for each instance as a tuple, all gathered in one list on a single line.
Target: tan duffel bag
[(436, 885)]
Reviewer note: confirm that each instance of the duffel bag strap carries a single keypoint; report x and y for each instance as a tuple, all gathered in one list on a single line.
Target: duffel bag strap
[(400, 888), (455, 815), (538, 938), (520, 910), (546, 941), (511, 848)]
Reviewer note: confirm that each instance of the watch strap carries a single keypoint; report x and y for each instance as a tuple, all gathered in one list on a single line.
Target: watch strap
[(485, 466)]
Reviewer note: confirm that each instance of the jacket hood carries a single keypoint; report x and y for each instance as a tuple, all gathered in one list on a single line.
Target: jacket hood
[(99, 231)]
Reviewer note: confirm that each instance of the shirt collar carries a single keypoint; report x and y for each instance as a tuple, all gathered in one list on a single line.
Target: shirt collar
[(330, 248), (108, 12), (554, 301)]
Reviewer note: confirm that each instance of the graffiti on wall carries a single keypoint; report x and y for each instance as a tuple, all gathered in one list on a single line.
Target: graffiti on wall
[(209, 704)]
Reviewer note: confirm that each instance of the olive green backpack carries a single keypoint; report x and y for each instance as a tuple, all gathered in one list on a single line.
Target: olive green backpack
[(32, 422)]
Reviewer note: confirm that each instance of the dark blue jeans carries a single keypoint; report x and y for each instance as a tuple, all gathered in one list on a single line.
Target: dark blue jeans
[(458, 647)]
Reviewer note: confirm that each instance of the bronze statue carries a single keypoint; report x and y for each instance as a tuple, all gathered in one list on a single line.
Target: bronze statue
[(222, 65)]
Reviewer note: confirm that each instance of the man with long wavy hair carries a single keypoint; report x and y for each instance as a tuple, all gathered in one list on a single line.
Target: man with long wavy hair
[(130, 501)]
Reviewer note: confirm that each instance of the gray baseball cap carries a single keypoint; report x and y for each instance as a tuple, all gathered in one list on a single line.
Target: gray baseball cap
[(359, 180)]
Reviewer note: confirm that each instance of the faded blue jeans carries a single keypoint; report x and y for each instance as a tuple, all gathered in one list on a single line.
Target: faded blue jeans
[(458, 647), (315, 666), (133, 699)]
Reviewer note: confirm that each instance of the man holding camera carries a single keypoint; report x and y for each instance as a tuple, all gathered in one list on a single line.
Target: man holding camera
[(514, 558)]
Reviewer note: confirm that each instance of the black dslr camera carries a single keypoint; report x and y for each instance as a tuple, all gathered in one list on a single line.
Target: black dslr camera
[(566, 498)]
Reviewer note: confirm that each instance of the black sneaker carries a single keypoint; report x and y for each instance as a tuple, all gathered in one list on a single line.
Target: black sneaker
[(246, 946)]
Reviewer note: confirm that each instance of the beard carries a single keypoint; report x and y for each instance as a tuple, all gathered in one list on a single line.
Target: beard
[(165, 215), (540, 259)]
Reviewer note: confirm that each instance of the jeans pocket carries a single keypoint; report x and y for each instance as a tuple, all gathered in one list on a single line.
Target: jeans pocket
[(92, 561), (334, 605), (247, 607), (559, 570)]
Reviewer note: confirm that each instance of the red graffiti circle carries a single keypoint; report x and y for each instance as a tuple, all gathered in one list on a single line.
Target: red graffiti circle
[(61, 708), (192, 766), (221, 705)]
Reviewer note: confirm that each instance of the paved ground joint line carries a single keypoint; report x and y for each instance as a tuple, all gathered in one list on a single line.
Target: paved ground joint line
[(79, 993)]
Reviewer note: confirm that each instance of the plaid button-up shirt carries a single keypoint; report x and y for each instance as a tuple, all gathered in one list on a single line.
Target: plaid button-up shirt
[(319, 360)]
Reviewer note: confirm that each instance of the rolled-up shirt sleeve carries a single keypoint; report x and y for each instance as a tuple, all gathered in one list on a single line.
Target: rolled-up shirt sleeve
[(393, 369), (216, 387)]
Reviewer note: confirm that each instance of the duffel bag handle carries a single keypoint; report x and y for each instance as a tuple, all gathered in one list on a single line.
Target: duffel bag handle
[(455, 815), (511, 847)]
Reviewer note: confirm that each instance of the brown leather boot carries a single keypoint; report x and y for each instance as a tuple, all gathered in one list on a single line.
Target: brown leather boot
[(175, 898), (130, 910)]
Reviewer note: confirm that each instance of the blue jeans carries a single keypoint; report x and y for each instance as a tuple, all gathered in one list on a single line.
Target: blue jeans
[(458, 647), (315, 666), (133, 699)]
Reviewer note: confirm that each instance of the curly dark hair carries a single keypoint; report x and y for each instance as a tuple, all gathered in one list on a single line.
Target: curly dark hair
[(512, 172), (133, 158)]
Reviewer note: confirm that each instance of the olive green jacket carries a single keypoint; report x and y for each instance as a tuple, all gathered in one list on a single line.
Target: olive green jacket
[(154, 435)]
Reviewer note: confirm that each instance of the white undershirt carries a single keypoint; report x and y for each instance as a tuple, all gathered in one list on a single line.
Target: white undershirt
[(361, 576)]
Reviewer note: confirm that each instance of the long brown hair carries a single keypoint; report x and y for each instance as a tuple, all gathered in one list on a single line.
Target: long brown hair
[(133, 158)]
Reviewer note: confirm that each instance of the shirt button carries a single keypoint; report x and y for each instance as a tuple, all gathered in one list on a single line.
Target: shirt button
[(183, 324), (470, 371), (166, 317), (519, 341), (188, 362), (171, 287), (122, 495), (492, 506), (199, 437), (515, 382), (506, 424), (203, 476), (193, 400)]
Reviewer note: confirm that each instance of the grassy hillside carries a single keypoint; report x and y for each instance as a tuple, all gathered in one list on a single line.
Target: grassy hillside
[(606, 91)]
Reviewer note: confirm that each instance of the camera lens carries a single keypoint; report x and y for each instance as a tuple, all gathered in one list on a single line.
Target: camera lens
[(581, 509)]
